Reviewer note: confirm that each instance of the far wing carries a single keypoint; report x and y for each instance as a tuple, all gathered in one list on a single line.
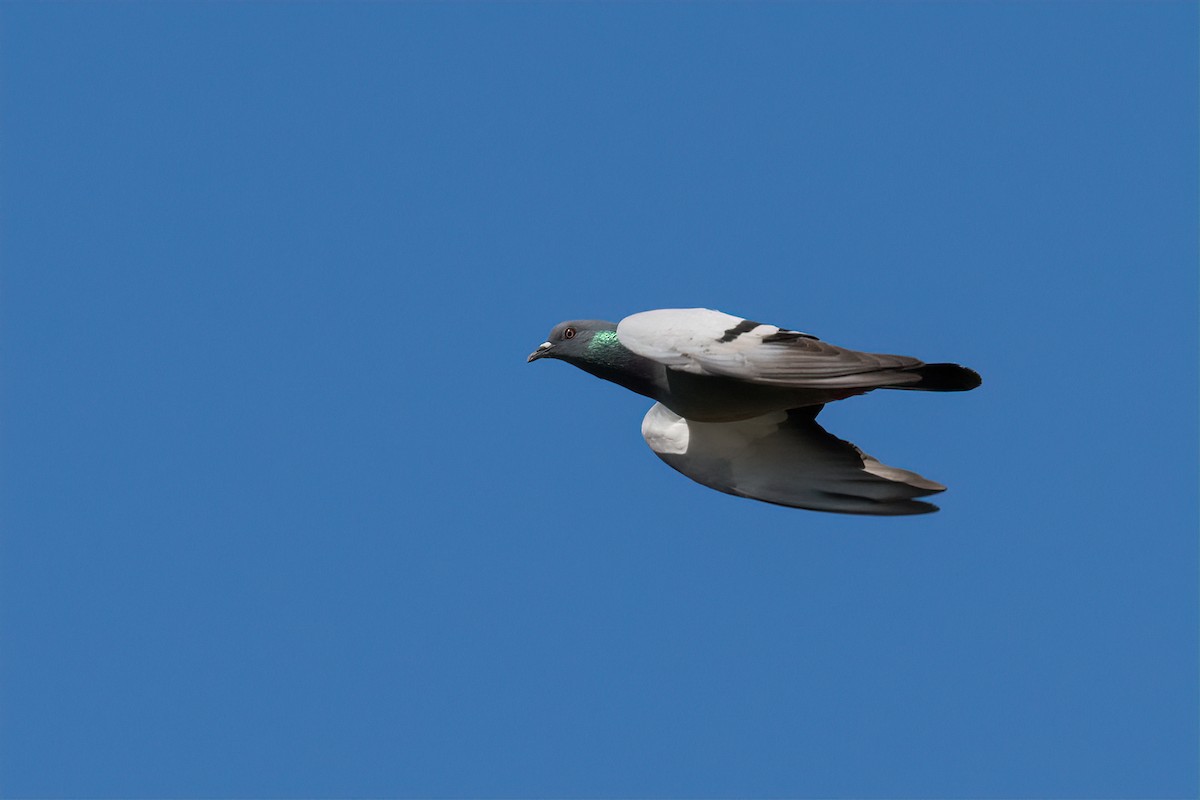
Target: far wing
[(785, 458), (706, 342)]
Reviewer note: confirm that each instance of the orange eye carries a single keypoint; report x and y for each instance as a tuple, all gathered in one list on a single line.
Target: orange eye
[(569, 333)]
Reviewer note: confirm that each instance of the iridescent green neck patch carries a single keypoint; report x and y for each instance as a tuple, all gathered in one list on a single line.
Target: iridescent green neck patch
[(602, 339)]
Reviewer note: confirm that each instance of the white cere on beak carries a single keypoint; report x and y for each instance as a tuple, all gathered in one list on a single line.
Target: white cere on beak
[(536, 354)]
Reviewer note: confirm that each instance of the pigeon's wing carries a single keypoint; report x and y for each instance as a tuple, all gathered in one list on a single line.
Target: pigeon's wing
[(706, 342), (785, 458)]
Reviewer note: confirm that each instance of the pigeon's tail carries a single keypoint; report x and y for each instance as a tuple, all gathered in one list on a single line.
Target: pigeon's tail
[(942, 378)]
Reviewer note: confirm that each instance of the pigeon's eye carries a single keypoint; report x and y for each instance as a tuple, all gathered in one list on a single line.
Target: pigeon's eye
[(569, 333)]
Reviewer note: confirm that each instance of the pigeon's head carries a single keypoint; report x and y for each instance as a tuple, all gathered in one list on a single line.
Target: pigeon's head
[(576, 340)]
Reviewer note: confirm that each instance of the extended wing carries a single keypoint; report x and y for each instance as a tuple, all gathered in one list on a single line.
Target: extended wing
[(706, 342), (785, 458)]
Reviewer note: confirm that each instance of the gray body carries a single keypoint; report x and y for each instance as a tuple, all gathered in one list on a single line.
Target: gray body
[(702, 398)]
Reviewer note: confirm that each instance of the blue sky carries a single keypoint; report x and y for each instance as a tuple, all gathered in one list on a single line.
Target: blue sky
[(285, 513)]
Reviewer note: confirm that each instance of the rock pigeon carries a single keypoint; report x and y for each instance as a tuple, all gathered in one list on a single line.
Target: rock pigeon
[(737, 401)]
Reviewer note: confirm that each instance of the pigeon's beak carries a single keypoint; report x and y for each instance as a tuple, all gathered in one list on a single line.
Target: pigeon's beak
[(542, 351)]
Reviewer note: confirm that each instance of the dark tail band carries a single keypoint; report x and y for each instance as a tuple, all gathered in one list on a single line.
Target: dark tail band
[(943, 378)]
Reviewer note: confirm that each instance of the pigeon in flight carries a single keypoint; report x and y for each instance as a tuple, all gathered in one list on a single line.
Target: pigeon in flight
[(737, 403)]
